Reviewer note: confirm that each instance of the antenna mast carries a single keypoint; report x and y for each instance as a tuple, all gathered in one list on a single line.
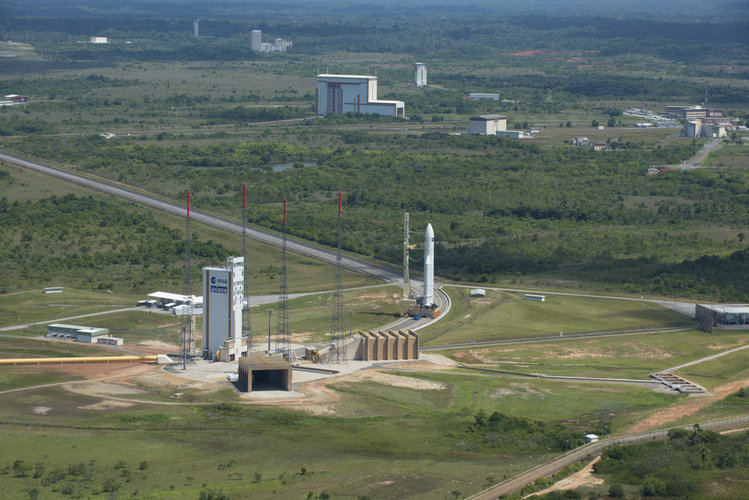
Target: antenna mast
[(337, 349)]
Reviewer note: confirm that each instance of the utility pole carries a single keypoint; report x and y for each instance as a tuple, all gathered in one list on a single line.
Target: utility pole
[(270, 313)]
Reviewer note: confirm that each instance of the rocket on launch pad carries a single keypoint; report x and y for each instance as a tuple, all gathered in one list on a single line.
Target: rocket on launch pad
[(428, 299)]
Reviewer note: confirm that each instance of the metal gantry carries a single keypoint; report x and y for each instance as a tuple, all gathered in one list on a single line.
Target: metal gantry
[(187, 331), (337, 331), (283, 337)]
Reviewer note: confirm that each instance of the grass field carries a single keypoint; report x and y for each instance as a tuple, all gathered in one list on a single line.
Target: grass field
[(631, 356), (397, 442), (734, 366), (503, 315), (34, 305), (310, 316)]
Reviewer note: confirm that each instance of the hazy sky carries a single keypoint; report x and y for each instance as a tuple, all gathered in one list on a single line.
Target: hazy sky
[(729, 9)]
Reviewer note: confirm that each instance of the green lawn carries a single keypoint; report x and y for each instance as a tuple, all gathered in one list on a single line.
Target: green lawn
[(505, 315)]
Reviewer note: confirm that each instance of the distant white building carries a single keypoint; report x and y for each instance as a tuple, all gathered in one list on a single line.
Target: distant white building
[(579, 141), (256, 37), (98, 39), (487, 124), (339, 94), (474, 96), (281, 45), (257, 44), (420, 74)]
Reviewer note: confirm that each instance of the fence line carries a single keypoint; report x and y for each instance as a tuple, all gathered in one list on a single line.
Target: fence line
[(589, 450)]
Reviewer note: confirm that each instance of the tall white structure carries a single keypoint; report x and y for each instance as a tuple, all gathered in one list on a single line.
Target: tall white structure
[(428, 299), (256, 39), (339, 94), (223, 295), (196, 27), (420, 74)]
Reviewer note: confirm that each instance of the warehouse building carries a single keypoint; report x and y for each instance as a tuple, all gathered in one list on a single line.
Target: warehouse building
[(74, 332), (712, 316), (339, 94), (487, 124)]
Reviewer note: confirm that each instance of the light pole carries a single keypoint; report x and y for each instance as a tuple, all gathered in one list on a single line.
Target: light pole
[(350, 323), (270, 313)]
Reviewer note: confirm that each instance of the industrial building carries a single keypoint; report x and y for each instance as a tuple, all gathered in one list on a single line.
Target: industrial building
[(98, 39), (487, 124), (722, 316), (223, 298), (702, 128), (339, 94), (694, 112), (85, 334), (420, 74)]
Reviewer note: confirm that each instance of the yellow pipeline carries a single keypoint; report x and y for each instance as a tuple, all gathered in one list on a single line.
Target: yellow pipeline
[(76, 360)]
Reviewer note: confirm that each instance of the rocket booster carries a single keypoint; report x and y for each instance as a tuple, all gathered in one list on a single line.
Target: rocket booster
[(428, 267)]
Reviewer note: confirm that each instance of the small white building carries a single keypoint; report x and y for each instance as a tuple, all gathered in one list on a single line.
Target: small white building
[(107, 340), (487, 124), (98, 39), (591, 438), (478, 292), (420, 74), (339, 94), (579, 141)]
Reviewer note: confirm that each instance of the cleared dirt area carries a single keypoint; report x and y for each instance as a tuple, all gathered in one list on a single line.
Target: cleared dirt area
[(583, 477), (687, 407)]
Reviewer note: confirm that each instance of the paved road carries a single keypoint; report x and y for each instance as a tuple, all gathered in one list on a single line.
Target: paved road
[(173, 208)]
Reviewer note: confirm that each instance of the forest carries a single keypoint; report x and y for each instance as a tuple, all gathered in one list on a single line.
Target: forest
[(185, 114)]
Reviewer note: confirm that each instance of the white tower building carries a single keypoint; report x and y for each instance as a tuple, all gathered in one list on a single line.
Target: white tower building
[(256, 39), (196, 28), (223, 294), (420, 74)]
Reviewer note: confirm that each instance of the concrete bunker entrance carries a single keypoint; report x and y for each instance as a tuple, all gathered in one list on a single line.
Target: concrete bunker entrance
[(264, 373), (270, 380)]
